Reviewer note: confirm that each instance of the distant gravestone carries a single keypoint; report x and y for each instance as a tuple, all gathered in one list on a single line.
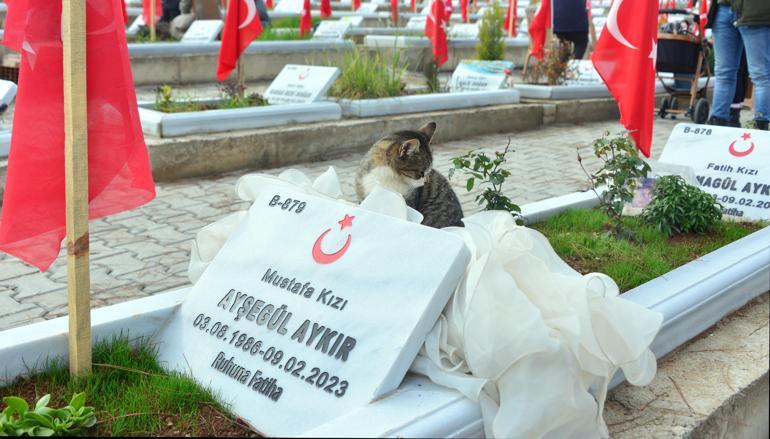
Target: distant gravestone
[(732, 164), (313, 308), (582, 72), (135, 25), (203, 31), (331, 30), (300, 84), (475, 75), (416, 23), (289, 6), (354, 20), (464, 31), (367, 8), (7, 92)]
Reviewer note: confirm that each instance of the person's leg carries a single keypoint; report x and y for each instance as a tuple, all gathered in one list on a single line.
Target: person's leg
[(756, 39), (727, 52), (741, 84), (580, 40)]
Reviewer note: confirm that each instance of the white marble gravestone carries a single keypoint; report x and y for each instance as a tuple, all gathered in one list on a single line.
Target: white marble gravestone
[(732, 164), (474, 75), (7, 92), (464, 31), (313, 308), (416, 23), (135, 25), (367, 8), (331, 30), (289, 6), (300, 84), (354, 20), (582, 72), (203, 31)]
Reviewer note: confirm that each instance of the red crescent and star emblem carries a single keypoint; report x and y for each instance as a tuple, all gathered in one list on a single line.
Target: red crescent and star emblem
[(745, 152), (303, 74), (328, 258)]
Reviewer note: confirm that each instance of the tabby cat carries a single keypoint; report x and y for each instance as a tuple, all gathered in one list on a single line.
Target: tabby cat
[(402, 162)]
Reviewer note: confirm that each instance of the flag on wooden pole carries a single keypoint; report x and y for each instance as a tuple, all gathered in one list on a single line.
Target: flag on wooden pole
[(356, 4), (242, 25), (394, 12), (435, 30), (150, 11), (538, 29), (625, 58), (464, 10), (32, 224), (510, 19)]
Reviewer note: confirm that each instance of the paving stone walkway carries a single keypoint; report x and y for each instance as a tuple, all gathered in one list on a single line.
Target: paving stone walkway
[(146, 251)]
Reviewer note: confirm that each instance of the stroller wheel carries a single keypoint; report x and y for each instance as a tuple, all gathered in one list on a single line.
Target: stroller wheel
[(664, 105), (701, 112)]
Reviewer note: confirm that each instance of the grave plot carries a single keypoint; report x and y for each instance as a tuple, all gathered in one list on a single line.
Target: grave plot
[(293, 97)]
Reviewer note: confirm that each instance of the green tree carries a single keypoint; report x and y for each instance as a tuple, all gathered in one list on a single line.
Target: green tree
[(491, 46)]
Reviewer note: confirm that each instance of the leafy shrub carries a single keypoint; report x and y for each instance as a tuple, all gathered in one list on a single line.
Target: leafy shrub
[(678, 207), (487, 172), (366, 76), (17, 419), (234, 96), (491, 45), (620, 171)]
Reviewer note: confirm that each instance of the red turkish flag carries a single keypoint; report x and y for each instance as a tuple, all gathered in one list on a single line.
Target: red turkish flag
[(146, 9), (509, 25), (435, 30), (541, 22), (242, 25), (269, 4), (125, 12), (412, 5), (32, 224), (356, 4), (305, 19), (326, 8), (625, 59), (394, 12), (464, 10)]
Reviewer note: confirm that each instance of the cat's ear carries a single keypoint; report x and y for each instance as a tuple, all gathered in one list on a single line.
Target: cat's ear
[(408, 147), (428, 129)]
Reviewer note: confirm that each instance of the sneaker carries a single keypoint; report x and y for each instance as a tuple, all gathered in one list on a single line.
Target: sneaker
[(735, 118), (717, 121)]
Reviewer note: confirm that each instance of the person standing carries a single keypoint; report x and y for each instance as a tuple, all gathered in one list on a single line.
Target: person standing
[(737, 23), (570, 23)]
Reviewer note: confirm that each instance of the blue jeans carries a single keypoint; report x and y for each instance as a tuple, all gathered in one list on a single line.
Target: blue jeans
[(757, 41), (728, 46)]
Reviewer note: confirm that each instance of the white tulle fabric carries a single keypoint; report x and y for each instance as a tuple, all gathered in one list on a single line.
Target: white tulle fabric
[(531, 340)]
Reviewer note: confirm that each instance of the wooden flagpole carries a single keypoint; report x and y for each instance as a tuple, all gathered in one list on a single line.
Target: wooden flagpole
[(152, 20), (76, 184), (511, 18)]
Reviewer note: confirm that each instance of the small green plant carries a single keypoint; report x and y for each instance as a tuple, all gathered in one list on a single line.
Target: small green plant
[(488, 173), (366, 76), (678, 207), (431, 75), (619, 173), (163, 100), (491, 45), (234, 96), (18, 420)]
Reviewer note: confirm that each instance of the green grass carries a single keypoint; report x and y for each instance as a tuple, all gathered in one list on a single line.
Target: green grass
[(130, 392), (273, 34), (366, 76), (580, 238), (291, 22)]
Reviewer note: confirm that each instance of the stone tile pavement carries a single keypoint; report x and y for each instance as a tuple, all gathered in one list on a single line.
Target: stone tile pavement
[(145, 251)]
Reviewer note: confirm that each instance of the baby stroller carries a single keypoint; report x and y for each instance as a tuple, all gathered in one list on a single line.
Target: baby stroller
[(682, 53)]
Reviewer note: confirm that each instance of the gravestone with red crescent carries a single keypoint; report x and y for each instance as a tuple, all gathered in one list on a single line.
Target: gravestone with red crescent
[(732, 164), (312, 309)]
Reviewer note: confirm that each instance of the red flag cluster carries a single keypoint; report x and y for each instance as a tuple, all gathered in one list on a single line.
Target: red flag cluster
[(32, 225), (625, 59), (541, 22), (435, 30), (242, 25)]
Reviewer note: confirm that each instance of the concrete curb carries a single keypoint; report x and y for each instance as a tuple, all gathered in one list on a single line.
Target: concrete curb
[(426, 102)]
